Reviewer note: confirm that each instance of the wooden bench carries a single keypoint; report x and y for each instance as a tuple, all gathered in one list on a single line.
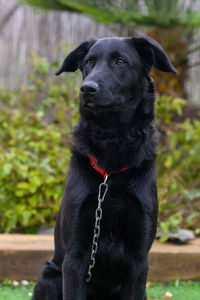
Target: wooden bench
[(22, 256)]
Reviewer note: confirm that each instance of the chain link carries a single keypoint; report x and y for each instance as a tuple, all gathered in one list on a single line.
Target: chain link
[(103, 188)]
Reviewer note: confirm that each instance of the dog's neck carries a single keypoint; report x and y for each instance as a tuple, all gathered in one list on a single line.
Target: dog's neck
[(114, 138)]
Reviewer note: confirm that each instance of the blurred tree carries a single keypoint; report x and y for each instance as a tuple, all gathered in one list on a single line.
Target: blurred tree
[(172, 23)]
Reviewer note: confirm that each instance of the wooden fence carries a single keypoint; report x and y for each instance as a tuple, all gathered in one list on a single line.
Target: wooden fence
[(23, 30)]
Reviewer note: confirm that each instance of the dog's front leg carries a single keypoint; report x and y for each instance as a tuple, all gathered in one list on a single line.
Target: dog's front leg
[(134, 288), (74, 278)]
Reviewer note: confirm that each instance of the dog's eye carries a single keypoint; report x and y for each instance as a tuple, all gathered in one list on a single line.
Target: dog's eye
[(90, 63), (120, 62)]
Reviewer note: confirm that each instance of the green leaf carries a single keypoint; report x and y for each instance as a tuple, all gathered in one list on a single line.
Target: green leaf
[(26, 215), (22, 185), (7, 167), (168, 162)]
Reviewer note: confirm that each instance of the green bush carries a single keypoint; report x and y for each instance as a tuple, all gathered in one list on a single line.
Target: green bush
[(178, 167), (35, 127)]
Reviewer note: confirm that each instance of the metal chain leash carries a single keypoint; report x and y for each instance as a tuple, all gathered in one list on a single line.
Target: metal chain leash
[(103, 188)]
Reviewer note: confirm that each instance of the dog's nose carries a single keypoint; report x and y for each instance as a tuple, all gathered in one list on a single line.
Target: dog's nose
[(89, 88)]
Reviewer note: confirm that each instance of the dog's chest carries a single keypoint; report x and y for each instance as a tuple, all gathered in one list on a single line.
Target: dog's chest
[(121, 237), (123, 218), (122, 227)]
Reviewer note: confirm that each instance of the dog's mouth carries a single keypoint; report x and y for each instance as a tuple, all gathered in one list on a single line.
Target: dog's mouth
[(95, 106), (91, 104)]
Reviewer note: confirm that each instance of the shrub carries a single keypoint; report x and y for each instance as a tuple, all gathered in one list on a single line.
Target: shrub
[(178, 167), (35, 125)]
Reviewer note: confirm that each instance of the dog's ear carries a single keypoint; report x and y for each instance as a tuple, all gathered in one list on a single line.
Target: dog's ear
[(153, 54), (75, 58)]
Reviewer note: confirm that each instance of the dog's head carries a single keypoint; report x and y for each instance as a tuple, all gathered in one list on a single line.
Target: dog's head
[(115, 70)]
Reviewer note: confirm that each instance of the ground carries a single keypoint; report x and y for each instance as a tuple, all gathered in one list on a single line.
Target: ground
[(175, 290)]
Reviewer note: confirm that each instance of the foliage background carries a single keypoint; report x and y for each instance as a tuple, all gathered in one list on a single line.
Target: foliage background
[(35, 133), (35, 126)]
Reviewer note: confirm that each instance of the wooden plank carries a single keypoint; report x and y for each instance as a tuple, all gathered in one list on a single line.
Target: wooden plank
[(22, 256), (171, 262), (26, 242)]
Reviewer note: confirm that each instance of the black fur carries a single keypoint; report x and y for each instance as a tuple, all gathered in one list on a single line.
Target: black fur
[(117, 127)]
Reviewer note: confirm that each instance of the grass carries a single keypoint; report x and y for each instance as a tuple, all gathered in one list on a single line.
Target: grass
[(177, 290), (20, 292)]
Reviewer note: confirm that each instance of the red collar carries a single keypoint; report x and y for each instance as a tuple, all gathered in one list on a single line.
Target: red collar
[(104, 173)]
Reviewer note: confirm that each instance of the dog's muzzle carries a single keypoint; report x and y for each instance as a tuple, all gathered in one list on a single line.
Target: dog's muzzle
[(88, 91)]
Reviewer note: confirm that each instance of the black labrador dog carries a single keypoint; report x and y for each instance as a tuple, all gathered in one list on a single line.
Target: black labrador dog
[(104, 254)]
